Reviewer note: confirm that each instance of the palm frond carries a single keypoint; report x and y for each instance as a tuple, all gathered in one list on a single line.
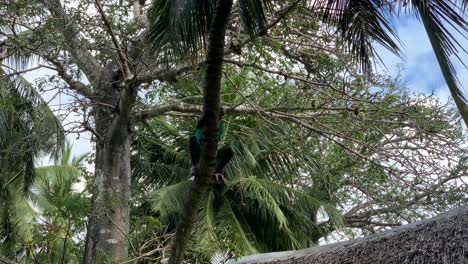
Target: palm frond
[(241, 238), (180, 27), (7, 223), (360, 24), (252, 14), (206, 231), (268, 207), (78, 160), (298, 206), (169, 201), (437, 18), (161, 157), (34, 114), (27, 127), (13, 55), (65, 157), (53, 185), (182, 24)]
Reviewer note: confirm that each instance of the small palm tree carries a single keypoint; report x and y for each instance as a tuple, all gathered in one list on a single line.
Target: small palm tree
[(62, 210), (184, 27), (28, 128), (52, 212)]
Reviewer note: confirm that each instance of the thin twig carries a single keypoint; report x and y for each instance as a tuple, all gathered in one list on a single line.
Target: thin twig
[(123, 60)]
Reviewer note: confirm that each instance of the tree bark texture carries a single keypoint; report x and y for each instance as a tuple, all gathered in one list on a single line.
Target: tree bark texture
[(206, 166), (442, 239), (108, 225)]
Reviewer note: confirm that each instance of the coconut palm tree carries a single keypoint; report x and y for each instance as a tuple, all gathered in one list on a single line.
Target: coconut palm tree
[(272, 215), (28, 128), (51, 213), (183, 27), (60, 209), (198, 20)]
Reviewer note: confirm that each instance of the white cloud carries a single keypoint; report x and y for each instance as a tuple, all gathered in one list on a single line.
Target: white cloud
[(422, 72)]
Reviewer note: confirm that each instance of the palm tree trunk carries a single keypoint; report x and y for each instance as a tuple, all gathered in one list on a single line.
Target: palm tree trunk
[(64, 249), (212, 90)]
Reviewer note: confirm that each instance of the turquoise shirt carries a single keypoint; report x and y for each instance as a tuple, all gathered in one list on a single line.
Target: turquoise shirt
[(199, 133)]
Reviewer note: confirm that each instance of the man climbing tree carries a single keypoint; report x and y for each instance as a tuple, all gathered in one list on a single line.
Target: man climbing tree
[(223, 156)]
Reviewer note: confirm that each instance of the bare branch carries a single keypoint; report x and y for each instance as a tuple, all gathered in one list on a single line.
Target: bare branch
[(77, 48), (40, 66), (75, 85), (122, 57)]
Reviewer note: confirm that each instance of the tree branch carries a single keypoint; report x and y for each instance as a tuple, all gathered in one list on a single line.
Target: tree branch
[(181, 107), (77, 48), (40, 66), (277, 111), (122, 57), (75, 85)]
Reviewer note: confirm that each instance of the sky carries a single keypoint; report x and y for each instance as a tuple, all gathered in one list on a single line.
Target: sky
[(421, 74), (81, 145)]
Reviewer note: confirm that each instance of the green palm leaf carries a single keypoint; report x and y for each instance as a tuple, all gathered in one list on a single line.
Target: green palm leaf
[(51, 193), (182, 24), (252, 14), (180, 27), (268, 207), (360, 23), (438, 17), (169, 201), (27, 128), (239, 233)]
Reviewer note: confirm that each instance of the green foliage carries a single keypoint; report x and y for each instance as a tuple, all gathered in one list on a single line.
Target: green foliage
[(186, 27), (288, 187), (181, 27), (28, 128), (51, 218), (324, 150), (273, 199)]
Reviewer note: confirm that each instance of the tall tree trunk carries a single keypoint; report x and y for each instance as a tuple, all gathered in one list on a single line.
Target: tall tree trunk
[(113, 97), (206, 166), (108, 225)]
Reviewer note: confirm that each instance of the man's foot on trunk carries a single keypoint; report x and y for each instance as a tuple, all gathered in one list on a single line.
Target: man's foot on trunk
[(219, 177)]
